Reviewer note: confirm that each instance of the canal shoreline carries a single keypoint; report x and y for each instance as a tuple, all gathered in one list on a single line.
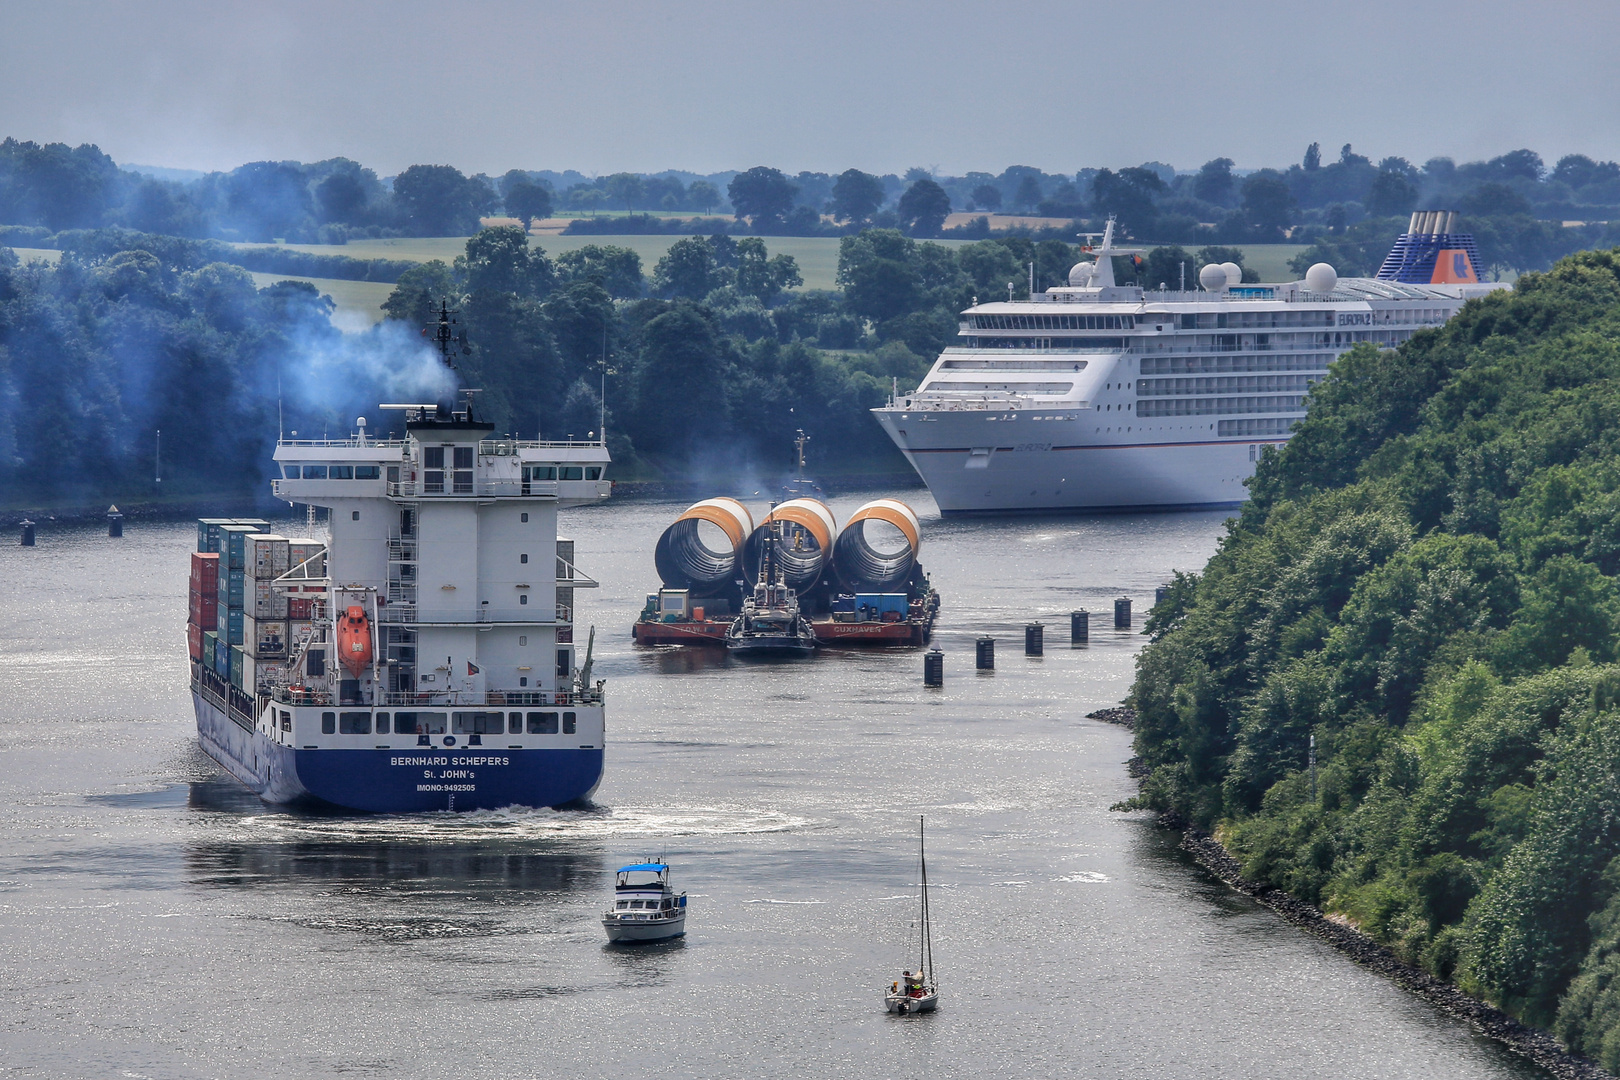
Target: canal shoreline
[(1533, 1043)]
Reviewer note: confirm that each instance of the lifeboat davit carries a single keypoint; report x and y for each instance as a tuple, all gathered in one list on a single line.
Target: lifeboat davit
[(354, 640)]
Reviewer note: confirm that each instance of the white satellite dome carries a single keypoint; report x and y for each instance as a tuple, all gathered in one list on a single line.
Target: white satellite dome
[(1234, 273), (1080, 274), (1321, 278), (1212, 277)]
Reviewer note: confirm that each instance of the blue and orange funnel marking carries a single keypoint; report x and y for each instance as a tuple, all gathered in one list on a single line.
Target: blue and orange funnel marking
[(1430, 253)]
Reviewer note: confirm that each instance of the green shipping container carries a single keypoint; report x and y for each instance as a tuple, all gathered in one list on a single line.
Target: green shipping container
[(237, 666)]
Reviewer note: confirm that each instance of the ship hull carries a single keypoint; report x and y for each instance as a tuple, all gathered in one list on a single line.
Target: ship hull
[(1035, 463), (396, 780)]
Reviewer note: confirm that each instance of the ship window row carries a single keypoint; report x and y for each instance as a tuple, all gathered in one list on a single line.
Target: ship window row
[(1222, 320), (1006, 387), (332, 472), (462, 723), (1052, 322), (1260, 425), (1088, 344), (1219, 406), (1197, 365), (1013, 365), (562, 472), (1227, 385)]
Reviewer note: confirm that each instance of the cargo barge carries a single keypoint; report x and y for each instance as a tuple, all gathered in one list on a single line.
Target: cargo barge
[(858, 588)]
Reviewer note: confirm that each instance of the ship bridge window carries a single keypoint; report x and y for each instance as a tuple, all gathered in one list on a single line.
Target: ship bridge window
[(479, 723), (539, 472), (340, 472), (433, 470), (419, 723), (291, 472), (568, 723), (354, 723), (314, 472), (542, 723), (382, 723), (368, 472), (593, 472), (573, 472)]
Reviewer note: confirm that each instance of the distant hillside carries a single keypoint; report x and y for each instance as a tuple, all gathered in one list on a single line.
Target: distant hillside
[(1427, 583)]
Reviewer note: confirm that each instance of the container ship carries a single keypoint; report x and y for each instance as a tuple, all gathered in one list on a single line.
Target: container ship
[(1098, 396), (421, 656), (862, 585)]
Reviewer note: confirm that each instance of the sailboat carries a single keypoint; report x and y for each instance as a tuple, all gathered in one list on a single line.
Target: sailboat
[(916, 991)]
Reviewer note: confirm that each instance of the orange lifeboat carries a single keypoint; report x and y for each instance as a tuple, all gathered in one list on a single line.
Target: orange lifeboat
[(354, 640)]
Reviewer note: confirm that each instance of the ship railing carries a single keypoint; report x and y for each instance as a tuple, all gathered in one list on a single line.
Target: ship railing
[(406, 613), (352, 440), (300, 695), (459, 698), (508, 447)]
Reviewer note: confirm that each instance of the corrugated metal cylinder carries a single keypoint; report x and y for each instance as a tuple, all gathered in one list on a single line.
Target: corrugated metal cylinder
[(27, 534), (1034, 639)]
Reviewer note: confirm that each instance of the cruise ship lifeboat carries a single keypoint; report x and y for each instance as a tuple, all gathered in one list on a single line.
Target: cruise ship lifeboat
[(808, 530), (868, 563), (354, 640), (684, 558)]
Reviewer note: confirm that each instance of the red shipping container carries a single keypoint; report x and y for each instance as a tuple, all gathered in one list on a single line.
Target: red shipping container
[(194, 638), (298, 607), (203, 610), (205, 571)]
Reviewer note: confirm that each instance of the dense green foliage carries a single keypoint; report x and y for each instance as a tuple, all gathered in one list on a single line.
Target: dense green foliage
[(1425, 580)]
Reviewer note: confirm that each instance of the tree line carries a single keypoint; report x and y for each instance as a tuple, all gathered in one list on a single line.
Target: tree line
[(1425, 585)]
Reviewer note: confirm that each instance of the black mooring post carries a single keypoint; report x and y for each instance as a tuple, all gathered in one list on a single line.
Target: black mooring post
[(1159, 594), (115, 522), (1034, 639), (1122, 613), (934, 667), (984, 654), (1079, 627), (27, 533)]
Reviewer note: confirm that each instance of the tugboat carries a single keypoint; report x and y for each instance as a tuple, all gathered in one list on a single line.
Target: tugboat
[(770, 622), (644, 907), (914, 991)]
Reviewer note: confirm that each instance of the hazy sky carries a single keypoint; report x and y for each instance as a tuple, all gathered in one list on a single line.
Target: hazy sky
[(488, 85)]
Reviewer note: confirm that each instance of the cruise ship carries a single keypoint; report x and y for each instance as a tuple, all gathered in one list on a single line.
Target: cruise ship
[(1103, 397), (420, 657)]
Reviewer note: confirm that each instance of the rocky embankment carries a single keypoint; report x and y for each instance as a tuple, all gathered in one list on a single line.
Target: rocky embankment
[(1532, 1043)]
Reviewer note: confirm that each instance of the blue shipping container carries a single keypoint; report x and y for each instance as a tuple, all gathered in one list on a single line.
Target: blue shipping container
[(231, 623), (208, 532), (232, 589), (222, 658), (883, 603), (233, 545)]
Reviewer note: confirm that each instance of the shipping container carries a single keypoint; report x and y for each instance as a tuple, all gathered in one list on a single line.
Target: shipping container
[(299, 550), (210, 641), (202, 609), (268, 601), (298, 607), (222, 658), (208, 533), (265, 639), (205, 570), (238, 665), (232, 589), (233, 545), (194, 641), (230, 626), (882, 603), (267, 557), (263, 676), (298, 632)]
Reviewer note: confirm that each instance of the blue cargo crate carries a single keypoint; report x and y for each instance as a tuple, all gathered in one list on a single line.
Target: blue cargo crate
[(883, 603), (233, 546), (232, 589), (230, 624), (208, 532), (222, 658)]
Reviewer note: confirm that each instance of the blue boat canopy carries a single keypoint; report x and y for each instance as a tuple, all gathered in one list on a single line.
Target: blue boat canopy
[(654, 867)]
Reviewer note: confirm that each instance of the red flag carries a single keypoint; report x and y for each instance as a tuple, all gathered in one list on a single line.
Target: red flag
[(472, 669)]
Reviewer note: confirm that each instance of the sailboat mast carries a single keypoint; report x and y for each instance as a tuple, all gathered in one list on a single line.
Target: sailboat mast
[(925, 940)]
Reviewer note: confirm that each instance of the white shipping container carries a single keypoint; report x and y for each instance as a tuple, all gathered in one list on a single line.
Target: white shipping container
[(300, 550), (265, 639), (267, 601), (267, 556), (266, 675), (298, 632)]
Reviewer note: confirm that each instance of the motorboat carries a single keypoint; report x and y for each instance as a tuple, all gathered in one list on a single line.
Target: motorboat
[(645, 908)]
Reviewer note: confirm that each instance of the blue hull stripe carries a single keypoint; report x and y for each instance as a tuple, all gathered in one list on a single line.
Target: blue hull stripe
[(398, 781)]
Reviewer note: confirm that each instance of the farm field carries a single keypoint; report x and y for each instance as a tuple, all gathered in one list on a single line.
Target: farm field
[(359, 303)]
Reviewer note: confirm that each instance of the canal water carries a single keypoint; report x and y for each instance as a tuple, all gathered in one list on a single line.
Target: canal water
[(156, 921)]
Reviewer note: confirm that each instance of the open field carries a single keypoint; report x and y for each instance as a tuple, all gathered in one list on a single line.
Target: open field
[(359, 303)]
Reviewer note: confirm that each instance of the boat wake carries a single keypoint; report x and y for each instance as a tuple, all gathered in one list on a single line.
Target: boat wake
[(520, 823)]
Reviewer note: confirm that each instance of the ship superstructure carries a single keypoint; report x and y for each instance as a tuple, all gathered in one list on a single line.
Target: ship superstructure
[(1097, 396), (436, 667)]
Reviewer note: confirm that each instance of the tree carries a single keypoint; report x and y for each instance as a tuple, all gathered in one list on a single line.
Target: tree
[(1493, 200), (527, 202), (876, 273), (987, 197), (419, 290), (1214, 183), (54, 185), (680, 382), (687, 270), (924, 207), (856, 196), (1028, 194), (499, 260), (624, 188), (761, 276), (1128, 194), (1313, 157), (615, 269), (437, 200), (1391, 194), (703, 195), (1268, 205), (762, 195), (341, 197), (267, 200)]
